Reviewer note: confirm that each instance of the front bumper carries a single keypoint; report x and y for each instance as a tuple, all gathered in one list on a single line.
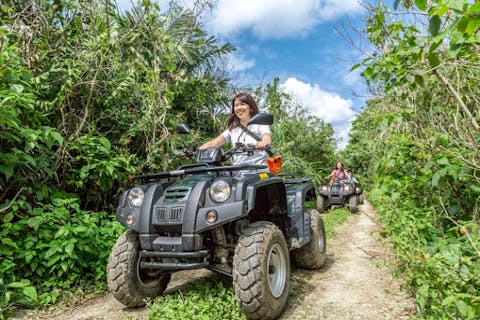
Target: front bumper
[(174, 260)]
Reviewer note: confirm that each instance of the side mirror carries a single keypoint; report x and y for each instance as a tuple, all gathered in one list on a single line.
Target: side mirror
[(182, 128), (261, 118)]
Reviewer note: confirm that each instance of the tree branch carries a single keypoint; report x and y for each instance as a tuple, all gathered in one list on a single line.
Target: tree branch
[(457, 97)]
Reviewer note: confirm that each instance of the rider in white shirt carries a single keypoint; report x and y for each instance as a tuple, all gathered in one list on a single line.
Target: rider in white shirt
[(243, 109)]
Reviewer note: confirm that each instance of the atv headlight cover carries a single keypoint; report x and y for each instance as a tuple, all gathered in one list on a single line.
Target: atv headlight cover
[(220, 190), (135, 197)]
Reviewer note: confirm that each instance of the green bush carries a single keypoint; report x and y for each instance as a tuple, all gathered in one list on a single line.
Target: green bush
[(56, 245)]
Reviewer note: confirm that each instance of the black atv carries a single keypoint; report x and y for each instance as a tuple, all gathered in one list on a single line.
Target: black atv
[(338, 194), (240, 221)]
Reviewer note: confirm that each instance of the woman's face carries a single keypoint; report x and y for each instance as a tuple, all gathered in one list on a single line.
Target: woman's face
[(242, 110), (339, 165)]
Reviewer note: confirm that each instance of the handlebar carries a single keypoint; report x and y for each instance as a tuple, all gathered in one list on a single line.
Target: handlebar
[(245, 148)]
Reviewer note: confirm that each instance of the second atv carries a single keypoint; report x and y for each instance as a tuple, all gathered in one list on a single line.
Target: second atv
[(339, 194)]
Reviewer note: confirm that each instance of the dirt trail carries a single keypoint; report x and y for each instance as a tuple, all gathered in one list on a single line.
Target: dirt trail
[(354, 284)]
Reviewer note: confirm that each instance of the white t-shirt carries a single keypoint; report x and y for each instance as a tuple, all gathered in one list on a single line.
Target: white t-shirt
[(235, 135)]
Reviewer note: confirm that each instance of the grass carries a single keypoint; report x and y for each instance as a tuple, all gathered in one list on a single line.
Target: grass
[(208, 299), (333, 219)]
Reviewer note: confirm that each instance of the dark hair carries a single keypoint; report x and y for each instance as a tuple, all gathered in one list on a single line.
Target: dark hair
[(248, 99)]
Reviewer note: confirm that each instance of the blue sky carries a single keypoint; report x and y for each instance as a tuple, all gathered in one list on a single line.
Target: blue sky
[(296, 41)]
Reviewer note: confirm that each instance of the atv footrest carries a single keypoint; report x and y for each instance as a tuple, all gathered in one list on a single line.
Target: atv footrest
[(180, 255), (173, 265)]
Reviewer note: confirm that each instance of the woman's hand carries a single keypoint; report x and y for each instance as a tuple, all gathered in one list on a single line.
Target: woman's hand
[(262, 145), (266, 141), (203, 146), (215, 143)]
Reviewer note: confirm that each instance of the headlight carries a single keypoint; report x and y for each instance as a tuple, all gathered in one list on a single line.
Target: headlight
[(346, 188), (324, 188), (135, 197), (358, 190), (220, 190)]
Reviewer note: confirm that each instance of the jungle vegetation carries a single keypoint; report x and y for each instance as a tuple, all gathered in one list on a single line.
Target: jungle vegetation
[(416, 145)]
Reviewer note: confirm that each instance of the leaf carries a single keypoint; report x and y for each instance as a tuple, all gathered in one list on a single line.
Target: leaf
[(8, 217), (436, 177), (35, 222), (421, 4), (434, 25), (23, 283), (419, 80), (30, 293), (6, 300), (69, 248), (443, 161), (170, 67), (9, 242), (17, 88), (474, 8), (462, 307), (456, 4), (7, 170), (433, 60), (475, 188), (355, 66), (473, 26), (57, 136), (106, 144)]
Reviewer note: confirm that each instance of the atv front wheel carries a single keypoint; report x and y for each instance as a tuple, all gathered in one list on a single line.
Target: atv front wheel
[(261, 271), (129, 283), (321, 204), (313, 254), (353, 204), (361, 198)]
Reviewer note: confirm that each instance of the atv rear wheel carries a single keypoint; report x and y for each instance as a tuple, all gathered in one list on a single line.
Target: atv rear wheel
[(321, 204), (313, 254), (353, 204), (129, 283), (261, 271)]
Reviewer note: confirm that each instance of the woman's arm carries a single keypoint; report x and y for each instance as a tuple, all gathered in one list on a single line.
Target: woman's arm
[(266, 141), (215, 143)]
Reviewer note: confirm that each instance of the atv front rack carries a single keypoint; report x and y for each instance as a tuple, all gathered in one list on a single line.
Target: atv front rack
[(183, 172)]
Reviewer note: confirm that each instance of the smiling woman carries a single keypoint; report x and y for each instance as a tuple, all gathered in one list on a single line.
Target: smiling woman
[(244, 108)]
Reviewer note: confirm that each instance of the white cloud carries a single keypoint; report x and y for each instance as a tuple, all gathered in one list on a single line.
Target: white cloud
[(329, 106), (276, 18), (238, 62)]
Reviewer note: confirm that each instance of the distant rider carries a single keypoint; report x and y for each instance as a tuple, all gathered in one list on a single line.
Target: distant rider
[(349, 177), (338, 173)]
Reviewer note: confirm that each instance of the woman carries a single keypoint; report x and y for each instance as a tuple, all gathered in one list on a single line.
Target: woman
[(338, 173), (243, 109)]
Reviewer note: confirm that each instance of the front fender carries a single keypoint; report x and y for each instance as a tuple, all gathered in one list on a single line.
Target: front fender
[(252, 189), (141, 215)]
